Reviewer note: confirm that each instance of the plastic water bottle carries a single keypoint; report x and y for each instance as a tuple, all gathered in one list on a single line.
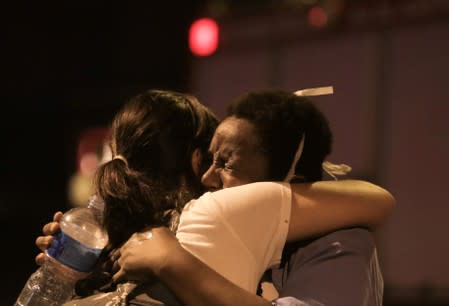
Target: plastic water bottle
[(71, 256)]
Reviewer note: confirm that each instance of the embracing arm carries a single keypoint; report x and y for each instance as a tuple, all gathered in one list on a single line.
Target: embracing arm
[(193, 282), (324, 206), (317, 208), (197, 284)]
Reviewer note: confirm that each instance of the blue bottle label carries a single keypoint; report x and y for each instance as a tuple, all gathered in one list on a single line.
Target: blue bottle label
[(72, 253)]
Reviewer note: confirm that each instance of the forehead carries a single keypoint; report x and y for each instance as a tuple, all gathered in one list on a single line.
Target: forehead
[(236, 135)]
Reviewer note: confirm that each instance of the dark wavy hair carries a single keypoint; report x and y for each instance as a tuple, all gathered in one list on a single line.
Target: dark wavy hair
[(281, 120), (156, 133)]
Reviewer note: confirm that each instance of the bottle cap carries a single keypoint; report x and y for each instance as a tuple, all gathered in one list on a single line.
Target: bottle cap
[(96, 202)]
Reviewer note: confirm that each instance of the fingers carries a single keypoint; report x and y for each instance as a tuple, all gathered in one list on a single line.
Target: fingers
[(142, 254), (115, 267), (57, 216), (40, 259), (117, 270), (43, 242), (114, 255), (119, 276), (51, 228), (114, 258)]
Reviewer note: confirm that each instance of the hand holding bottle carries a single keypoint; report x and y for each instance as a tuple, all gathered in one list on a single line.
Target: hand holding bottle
[(44, 242), (70, 255)]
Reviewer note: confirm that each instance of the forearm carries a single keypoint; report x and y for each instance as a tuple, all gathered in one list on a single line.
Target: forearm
[(325, 206), (196, 284)]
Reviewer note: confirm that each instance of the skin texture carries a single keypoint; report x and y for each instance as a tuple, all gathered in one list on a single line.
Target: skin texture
[(237, 159)]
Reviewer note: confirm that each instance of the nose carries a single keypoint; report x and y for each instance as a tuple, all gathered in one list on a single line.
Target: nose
[(211, 180)]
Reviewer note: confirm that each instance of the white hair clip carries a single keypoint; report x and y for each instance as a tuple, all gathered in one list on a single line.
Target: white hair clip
[(317, 91), (332, 169)]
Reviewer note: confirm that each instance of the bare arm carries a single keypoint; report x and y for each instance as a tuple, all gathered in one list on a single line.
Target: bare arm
[(324, 206), (317, 208), (193, 276), (193, 282)]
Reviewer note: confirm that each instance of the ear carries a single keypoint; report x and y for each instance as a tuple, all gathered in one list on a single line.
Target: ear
[(196, 161)]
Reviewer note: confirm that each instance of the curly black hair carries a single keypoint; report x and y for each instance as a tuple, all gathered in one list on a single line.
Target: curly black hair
[(281, 120)]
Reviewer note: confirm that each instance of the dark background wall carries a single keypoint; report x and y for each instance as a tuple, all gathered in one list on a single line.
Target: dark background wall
[(388, 62), (67, 66)]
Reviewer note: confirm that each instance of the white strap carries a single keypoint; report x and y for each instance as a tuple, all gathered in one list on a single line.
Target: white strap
[(291, 171), (332, 169)]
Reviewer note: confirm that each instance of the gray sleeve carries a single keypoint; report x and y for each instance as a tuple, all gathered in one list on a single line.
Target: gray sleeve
[(339, 269)]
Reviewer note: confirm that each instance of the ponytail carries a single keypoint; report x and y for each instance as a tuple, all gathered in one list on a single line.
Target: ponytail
[(132, 200)]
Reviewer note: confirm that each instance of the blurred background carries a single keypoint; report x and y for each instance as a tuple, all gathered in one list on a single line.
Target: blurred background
[(68, 66)]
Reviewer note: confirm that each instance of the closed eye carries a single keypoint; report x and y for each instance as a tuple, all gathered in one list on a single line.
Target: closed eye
[(222, 164), (219, 163)]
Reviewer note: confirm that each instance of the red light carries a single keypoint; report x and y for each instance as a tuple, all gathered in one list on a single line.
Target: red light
[(203, 37), (317, 17)]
